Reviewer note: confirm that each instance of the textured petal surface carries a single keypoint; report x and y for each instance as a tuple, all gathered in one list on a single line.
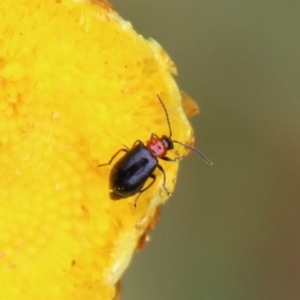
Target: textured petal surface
[(77, 83)]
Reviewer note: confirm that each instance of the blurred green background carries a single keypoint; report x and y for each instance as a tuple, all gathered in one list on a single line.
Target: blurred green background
[(231, 231)]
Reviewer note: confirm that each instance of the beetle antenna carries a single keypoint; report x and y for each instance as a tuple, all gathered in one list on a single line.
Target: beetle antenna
[(167, 116), (196, 151)]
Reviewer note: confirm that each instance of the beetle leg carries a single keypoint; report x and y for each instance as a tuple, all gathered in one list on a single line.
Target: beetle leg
[(144, 189), (138, 142), (154, 136), (170, 159), (164, 182), (125, 147), (113, 157), (147, 187)]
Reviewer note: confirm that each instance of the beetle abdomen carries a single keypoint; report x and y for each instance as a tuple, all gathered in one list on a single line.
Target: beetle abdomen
[(130, 173)]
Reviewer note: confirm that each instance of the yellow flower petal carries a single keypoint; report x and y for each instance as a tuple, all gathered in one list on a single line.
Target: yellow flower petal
[(77, 83)]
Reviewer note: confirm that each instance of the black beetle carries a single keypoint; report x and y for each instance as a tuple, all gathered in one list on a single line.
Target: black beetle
[(130, 173)]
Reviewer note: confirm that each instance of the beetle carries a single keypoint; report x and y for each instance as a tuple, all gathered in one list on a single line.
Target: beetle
[(129, 174)]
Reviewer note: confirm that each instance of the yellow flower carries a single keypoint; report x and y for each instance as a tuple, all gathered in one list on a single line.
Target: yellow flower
[(77, 83)]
